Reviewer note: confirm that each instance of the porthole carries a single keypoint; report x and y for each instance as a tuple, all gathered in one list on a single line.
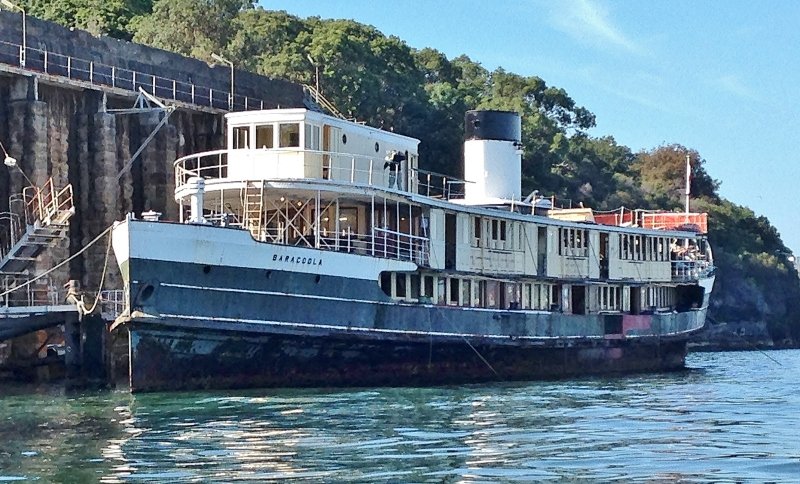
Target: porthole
[(269, 273), (146, 292), (317, 279), (344, 139), (206, 269), (377, 147)]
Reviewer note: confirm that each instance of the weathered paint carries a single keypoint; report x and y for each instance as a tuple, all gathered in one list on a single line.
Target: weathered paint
[(170, 358)]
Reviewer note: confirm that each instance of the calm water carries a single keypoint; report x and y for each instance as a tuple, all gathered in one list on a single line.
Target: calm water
[(732, 417)]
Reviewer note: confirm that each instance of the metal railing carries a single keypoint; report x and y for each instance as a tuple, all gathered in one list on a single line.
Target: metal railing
[(99, 74), (113, 303), (301, 163), (45, 204), (12, 228), (43, 292), (689, 270)]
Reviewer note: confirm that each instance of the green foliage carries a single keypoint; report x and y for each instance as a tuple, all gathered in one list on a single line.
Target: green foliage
[(100, 17), (194, 28)]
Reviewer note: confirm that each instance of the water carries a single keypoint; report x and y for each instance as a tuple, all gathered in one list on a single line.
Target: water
[(732, 417)]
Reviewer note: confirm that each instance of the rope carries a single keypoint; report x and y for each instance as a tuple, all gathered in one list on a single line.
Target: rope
[(482, 358), (48, 272), (102, 278)]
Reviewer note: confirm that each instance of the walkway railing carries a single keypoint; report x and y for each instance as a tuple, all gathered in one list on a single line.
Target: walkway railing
[(99, 74), (41, 293)]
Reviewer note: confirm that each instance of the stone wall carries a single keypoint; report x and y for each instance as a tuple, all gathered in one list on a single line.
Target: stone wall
[(61, 130), (55, 39)]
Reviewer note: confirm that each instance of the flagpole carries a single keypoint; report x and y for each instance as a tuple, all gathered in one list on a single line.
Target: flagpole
[(688, 182)]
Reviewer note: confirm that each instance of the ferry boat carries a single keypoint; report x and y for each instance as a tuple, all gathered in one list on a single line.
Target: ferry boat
[(314, 251)]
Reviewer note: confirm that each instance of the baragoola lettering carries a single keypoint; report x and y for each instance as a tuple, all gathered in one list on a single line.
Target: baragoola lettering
[(311, 261)]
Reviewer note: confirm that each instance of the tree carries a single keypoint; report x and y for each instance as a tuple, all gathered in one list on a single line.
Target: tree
[(100, 17), (663, 175), (194, 28)]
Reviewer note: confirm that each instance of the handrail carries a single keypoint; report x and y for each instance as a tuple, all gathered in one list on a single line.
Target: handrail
[(99, 74)]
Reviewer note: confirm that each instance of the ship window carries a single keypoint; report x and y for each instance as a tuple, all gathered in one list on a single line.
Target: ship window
[(400, 286), (441, 290), (466, 292), (289, 135), (512, 295), (453, 293), (311, 137), (241, 137), (492, 294), (415, 286), (477, 223), (573, 242), (264, 136), (427, 286), (478, 289), (386, 283), (377, 147)]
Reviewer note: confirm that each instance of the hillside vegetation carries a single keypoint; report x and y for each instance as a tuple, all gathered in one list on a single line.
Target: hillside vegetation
[(381, 80)]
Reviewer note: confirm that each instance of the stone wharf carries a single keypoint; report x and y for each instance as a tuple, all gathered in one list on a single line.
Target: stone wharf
[(427, 279)]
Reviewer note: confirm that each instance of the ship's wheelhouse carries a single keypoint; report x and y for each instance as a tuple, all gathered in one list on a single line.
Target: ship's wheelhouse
[(299, 143)]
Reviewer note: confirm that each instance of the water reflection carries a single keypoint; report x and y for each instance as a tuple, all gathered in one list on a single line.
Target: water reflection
[(731, 419)]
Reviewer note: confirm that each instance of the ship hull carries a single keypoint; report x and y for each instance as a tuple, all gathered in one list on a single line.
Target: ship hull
[(229, 312), (178, 355)]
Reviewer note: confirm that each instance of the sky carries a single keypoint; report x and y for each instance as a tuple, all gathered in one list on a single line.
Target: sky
[(720, 77)]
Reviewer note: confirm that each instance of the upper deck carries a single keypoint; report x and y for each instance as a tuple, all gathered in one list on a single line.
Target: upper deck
[(299, 177)]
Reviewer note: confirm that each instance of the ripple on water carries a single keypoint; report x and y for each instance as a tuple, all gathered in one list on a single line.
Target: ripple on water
[(731, 418)]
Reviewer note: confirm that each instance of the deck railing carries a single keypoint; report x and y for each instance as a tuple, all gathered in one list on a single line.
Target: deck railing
[(315, 164), (99, 74), (690, 270)]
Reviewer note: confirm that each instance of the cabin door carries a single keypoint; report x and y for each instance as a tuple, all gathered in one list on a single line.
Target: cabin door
[(578, 299), (636, 300), (603, 255), (541, 252), (450, 241), (330, 145)]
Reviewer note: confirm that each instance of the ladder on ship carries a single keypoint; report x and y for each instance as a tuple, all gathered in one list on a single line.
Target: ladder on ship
[(253, 207), (39, 218)]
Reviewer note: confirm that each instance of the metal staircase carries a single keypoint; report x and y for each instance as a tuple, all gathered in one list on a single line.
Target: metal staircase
[(253, 203), (38, 218)]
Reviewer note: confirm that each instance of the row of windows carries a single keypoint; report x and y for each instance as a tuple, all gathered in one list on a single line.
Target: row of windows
[(660, 297), (497, 234), (643, 248), (573, 242), (280, 135), (483, 293), (458, 291), (609, 298)]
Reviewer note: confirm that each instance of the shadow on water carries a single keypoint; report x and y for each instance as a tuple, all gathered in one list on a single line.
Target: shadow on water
[(726, 418)]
